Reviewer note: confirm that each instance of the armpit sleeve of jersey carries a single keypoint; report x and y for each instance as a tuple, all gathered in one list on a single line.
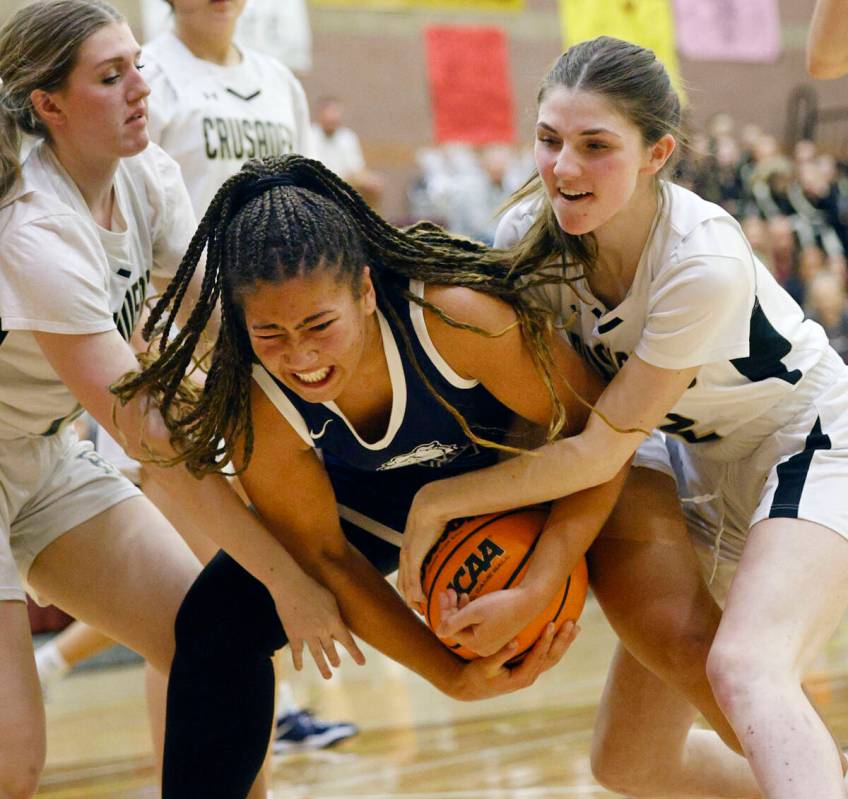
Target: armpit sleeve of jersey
[(174, 222), (699, 312), (53, 278)]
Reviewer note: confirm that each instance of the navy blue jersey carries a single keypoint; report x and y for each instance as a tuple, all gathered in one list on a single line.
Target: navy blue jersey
[(423, 442)]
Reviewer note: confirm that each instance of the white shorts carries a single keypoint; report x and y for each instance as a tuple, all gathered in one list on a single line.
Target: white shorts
[(797, 471), (114, 453), (48, 486)]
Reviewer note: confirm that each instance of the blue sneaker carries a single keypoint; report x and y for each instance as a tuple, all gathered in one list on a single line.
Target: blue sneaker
[(301, 730)]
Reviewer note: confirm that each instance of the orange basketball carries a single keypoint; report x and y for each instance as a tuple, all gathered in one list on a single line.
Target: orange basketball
[(488, 553)]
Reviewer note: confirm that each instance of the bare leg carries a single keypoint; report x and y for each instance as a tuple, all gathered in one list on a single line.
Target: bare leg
[(647, 580), (125, 571), (22, 743), (787, 597), (78, 642), (673, 760)]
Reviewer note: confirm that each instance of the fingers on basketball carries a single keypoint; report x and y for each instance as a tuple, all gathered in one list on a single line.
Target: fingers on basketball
[(490, 553)]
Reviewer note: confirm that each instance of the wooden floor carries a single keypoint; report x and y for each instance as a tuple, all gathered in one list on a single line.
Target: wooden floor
[(414, 743)]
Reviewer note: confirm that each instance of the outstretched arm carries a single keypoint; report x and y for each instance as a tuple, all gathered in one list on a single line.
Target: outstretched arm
[(88, 365), (638, 397), (827, 43), (504, 365), (292, 493)]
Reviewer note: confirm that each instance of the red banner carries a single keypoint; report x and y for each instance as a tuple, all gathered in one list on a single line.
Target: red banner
[(470, 88)]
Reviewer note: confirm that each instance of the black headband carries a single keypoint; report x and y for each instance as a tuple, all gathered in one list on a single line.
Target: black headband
[(245, 192)]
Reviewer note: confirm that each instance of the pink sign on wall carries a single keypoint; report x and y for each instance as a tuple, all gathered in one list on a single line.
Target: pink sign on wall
[(728, 30)]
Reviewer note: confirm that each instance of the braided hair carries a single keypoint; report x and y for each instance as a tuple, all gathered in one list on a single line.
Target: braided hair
[(283, 217)]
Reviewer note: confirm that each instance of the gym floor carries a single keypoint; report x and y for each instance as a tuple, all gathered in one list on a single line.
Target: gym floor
[(414, 743)]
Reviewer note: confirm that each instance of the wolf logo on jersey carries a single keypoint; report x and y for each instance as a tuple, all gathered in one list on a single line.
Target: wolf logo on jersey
[(432, 454)]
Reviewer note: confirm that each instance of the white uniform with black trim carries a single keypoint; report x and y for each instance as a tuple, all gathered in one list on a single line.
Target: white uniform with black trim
[(763, 429), (211, 118), (60, 272)]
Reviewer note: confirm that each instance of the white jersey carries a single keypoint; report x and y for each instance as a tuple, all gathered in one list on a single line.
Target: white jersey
[(213, 118), (60, 272), (699, 298)]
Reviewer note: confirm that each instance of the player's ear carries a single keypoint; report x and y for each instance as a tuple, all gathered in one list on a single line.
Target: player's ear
[(367, 292), (658, 153), (47, 107)]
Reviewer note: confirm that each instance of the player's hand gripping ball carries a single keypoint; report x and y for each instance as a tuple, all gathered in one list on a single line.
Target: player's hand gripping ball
[(489, 553)]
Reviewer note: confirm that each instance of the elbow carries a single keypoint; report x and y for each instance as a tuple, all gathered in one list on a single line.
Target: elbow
[(155, 439), (600, 470), (327, 563)]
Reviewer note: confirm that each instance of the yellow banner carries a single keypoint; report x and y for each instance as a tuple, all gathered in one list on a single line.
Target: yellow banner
[(648, 23), (450, 5)]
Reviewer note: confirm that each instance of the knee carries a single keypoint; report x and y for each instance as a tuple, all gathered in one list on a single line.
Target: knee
[(227, 613), (738, 673), (20, 770), (679, 645), (620, 773)]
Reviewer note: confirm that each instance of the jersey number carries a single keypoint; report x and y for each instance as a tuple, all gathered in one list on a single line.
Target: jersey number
[(678, 425)]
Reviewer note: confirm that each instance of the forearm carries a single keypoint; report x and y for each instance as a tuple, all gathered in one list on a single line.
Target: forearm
[(230, 524), (553, 471), (573, 524), (375, 612), (227, 521)]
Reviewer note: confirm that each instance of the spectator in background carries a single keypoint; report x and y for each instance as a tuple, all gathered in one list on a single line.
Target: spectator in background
[(827, 44), (784, 249), (462, 188), (827, 305), (338, 148), (756, 231)]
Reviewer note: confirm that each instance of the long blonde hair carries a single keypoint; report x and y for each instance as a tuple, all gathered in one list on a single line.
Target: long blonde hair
[(38, 50)]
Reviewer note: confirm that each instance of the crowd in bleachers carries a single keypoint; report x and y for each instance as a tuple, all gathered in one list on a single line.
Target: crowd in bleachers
[(792, 207)]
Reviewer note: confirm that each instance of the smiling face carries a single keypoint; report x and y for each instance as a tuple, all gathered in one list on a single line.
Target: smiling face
[(592, 160), (102, 107), (311, 331)]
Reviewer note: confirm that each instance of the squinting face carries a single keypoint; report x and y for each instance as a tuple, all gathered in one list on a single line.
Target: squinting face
[(103, 105), (591, 159), (310, 332)]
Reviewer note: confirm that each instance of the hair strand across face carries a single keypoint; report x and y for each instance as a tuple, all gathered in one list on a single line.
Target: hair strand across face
[(306, 218)]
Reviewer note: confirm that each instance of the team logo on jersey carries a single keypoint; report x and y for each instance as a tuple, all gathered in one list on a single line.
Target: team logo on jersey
[(433, 454), (229, 138), (246, 97), (320, 434)]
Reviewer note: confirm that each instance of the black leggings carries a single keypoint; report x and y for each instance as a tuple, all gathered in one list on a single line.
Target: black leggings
[(221, 688)]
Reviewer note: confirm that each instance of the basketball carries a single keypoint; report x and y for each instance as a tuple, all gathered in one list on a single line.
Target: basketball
[(488, 553)]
